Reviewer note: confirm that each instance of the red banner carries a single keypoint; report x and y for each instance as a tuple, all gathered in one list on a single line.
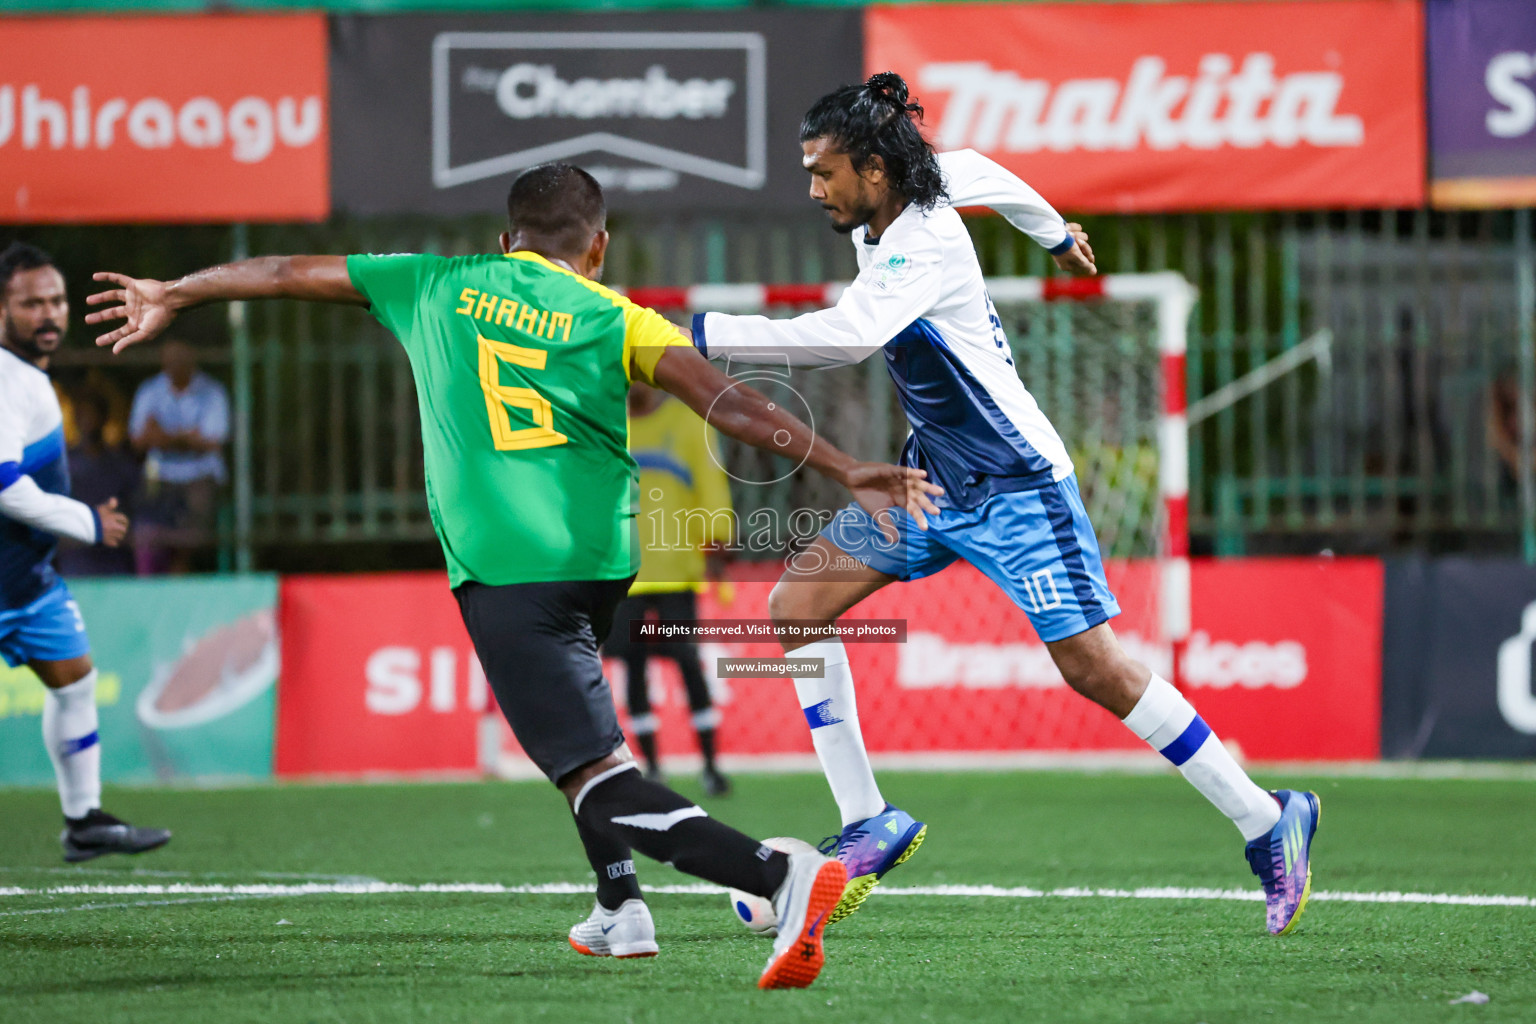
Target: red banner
[(378, 676), (131, 119), (1285, 660), (1174, 106), (1285, 656)]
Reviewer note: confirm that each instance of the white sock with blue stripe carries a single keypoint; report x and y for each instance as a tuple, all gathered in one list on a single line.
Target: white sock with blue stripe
[(833, 715), (69, 733), (1170, 726)]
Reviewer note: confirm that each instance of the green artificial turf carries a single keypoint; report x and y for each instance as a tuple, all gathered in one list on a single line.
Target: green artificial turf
[(503, 957)]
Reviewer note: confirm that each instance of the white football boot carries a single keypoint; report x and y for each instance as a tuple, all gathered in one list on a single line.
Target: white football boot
[(626, 932), (804, 904)]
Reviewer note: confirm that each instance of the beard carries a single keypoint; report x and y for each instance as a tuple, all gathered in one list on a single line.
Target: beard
[(37, 345), (857, 218)]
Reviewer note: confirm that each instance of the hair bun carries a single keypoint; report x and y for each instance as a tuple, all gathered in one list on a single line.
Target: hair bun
[(888, 85)]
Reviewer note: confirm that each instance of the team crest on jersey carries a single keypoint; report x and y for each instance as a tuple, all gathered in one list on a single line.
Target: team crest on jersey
[(890, 270)]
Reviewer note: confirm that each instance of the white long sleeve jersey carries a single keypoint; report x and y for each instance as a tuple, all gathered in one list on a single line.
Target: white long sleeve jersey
[(920, 299), (35, 506)]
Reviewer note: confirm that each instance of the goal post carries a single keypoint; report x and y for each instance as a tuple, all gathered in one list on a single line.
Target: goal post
[(1105, 358)]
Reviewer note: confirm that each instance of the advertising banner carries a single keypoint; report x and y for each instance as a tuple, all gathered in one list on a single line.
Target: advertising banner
[(182, 119), (378, 677), (684, 110), (1271, 636), (1482, 102), (1285, 655), (1457, 655), (1174, 106), (185, 690)]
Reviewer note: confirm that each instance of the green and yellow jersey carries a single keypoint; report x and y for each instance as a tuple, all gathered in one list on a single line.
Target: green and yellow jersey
[(685, 498), (521, 368)]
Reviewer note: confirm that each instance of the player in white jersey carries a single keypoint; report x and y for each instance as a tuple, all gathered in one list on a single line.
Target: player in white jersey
[(40, 624), (1011, 505)]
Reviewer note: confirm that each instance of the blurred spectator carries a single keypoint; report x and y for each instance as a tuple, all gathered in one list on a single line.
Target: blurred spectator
[(105, 389), (1504, 432), (180, 421), (99, 470)]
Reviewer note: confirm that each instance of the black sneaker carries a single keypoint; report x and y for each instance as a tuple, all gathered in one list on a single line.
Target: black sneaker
[(715, 784), (99, 832)]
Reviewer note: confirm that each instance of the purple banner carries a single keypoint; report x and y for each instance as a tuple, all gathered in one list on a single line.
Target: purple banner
[(1482, 102)]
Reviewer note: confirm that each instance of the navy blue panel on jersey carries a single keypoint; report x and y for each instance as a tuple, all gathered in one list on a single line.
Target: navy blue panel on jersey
[(44, 461), (43, 453), (959, 435), (26, 555)]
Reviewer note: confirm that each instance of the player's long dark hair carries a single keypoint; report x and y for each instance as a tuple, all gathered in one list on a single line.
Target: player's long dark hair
[(875, 119)]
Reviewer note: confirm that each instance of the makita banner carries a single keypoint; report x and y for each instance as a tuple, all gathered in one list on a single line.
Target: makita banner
[(154, 119), (1458, 650), (1174, 106), (672, 111), (1482, 102)]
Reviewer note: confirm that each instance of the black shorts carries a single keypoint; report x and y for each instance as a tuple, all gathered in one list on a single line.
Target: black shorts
[(538, 645)]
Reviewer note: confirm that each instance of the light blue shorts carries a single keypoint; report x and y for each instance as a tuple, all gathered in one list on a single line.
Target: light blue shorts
[(48, 629), (1037, 545)]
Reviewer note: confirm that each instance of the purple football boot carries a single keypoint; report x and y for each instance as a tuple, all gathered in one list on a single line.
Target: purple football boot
[(870, 848), (1283, 860)]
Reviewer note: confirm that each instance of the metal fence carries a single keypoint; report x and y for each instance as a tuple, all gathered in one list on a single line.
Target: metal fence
[(1400, 430), (1392, 439)]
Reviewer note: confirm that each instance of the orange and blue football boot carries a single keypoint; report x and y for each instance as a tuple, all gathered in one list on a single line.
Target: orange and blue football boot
[(869, 849), (1283, 859)]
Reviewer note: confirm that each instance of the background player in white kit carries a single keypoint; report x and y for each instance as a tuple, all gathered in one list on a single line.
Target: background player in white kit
[(40, 625), (1011, 505)]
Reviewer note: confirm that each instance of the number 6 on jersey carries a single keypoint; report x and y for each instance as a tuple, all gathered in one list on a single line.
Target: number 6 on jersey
[(498, 397)]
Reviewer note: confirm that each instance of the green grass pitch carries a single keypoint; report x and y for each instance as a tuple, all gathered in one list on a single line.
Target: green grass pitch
[(902, 959)]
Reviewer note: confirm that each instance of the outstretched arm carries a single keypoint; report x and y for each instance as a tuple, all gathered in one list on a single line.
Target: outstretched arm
[(975, 180), (744, 413), (882, 301), (148, 307)]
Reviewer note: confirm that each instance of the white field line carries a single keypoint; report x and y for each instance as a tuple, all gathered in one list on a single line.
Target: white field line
[(76, 870), (582, 889), (1127, 762), (117, 906)]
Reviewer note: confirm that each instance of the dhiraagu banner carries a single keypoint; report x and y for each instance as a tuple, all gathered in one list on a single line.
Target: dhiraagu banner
[(187, 687)]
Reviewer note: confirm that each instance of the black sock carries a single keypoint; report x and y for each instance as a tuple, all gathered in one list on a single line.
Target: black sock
[(665, 827), (613, 864), (647, 741), (707, 747)]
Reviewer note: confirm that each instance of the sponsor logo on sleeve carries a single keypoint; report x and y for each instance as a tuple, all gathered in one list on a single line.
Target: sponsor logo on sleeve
[(888, 272)]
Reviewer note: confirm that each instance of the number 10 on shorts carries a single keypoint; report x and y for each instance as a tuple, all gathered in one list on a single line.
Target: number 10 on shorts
[(1041, 589)]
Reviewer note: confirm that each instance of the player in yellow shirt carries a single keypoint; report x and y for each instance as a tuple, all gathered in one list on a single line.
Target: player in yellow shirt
[(685, 519)]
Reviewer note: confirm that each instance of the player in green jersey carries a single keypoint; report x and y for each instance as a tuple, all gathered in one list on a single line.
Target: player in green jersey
[(522, 363)]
